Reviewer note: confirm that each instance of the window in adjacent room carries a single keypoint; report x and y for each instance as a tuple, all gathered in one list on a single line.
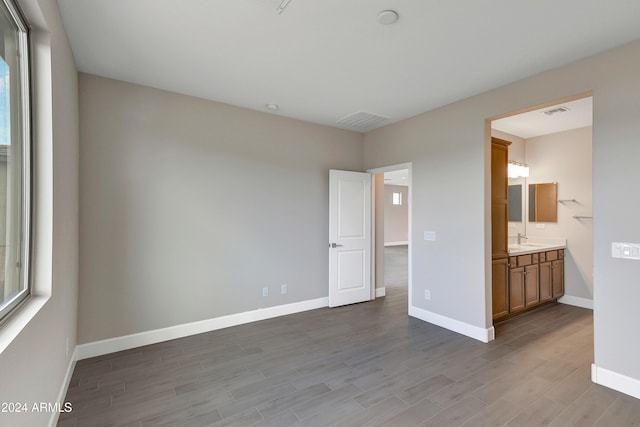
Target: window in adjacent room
[(397, 199), (14, 158)]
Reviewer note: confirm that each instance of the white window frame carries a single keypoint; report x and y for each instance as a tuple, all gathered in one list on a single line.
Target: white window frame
[(21, 257)]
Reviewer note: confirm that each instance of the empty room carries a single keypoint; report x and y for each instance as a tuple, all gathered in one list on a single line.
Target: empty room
[(303, 213)]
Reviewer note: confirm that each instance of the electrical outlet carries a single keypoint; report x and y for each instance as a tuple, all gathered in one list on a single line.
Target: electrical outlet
[(427, 294), (283, 288), (265, 292)]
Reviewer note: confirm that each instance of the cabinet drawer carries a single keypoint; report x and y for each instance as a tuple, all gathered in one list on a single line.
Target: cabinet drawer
[(551, 255), (528, 259)]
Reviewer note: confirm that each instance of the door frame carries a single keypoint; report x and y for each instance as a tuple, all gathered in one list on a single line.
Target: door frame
[(374, 237)]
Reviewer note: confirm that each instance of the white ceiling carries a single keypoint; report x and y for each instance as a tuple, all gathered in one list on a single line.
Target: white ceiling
[(579, 114), (323, 60)]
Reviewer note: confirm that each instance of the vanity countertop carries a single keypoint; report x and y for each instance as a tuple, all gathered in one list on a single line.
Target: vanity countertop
[(536, 245)]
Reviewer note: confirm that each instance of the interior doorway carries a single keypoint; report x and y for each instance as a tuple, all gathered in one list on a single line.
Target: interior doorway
[(548, 146), (396, 229), (392, 231)]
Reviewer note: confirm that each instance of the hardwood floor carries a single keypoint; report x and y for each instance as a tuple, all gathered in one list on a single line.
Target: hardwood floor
[(396, 270), (362, 365)]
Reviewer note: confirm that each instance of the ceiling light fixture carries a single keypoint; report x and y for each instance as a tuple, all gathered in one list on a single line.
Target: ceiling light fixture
[(518, 170), (387, 17), (272, 107)]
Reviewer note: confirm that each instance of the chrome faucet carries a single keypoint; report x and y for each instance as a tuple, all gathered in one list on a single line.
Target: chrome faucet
[(520, 237)]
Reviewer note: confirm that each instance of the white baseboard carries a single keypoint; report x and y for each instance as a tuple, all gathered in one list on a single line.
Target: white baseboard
[(126, 342), (405, 243), (615, 381), (380, 292), (480, 334), (64, 388), (577, 301)]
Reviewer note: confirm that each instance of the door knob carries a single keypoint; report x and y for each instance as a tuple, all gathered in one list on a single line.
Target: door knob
[(334, 245)]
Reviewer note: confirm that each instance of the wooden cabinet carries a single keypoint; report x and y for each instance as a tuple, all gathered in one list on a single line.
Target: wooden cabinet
[(499, 217), (500, 294), (557, 278), (499, 197), (551, 275), (546, 289), (531, 289), (516, 289), (533, 279)]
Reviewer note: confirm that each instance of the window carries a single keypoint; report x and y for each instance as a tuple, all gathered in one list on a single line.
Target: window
[(14, 158), (397, 199)]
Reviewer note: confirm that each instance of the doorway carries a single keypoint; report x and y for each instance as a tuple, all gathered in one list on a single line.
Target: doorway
[(392, 232), (554, 143)]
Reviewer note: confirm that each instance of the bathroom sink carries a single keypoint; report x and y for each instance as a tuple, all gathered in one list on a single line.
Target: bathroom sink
[(516, 249)]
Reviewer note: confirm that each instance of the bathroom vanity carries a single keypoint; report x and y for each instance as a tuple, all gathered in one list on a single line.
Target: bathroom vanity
[(535, 276)]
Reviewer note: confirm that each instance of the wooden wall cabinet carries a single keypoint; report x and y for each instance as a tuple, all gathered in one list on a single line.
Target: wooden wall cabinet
[(499, 212), (499, 197)]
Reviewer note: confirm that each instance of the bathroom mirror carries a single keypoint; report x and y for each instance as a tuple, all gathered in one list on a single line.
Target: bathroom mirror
[(543, 202), (515, 202)]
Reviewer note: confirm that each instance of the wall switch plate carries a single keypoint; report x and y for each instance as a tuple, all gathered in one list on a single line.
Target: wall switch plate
[(539, 225), (430, 235), (625, 250), (427, 294), (283, 288), (265, 292)]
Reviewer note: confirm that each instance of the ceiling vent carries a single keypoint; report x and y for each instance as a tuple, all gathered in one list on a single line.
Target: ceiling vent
[(556, 110), (362, 121)]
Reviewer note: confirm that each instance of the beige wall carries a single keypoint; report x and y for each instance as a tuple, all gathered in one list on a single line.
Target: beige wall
[(33, 367), (449, 148), (190, 207), (566, 158)]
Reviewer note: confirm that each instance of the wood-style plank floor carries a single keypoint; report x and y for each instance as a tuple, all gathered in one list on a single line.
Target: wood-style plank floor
[(362, 365)]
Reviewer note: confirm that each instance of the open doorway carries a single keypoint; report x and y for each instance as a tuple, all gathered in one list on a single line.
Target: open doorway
[(396, 229), (392, 231), (549, 147)]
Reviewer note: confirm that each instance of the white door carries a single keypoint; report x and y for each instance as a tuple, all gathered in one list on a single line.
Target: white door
[(349, 237)]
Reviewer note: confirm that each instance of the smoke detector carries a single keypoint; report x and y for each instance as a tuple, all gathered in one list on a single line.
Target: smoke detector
[(387, 17)]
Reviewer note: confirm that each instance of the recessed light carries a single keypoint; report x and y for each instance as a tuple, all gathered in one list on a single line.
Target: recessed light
[(272, 107), (387, 17)]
